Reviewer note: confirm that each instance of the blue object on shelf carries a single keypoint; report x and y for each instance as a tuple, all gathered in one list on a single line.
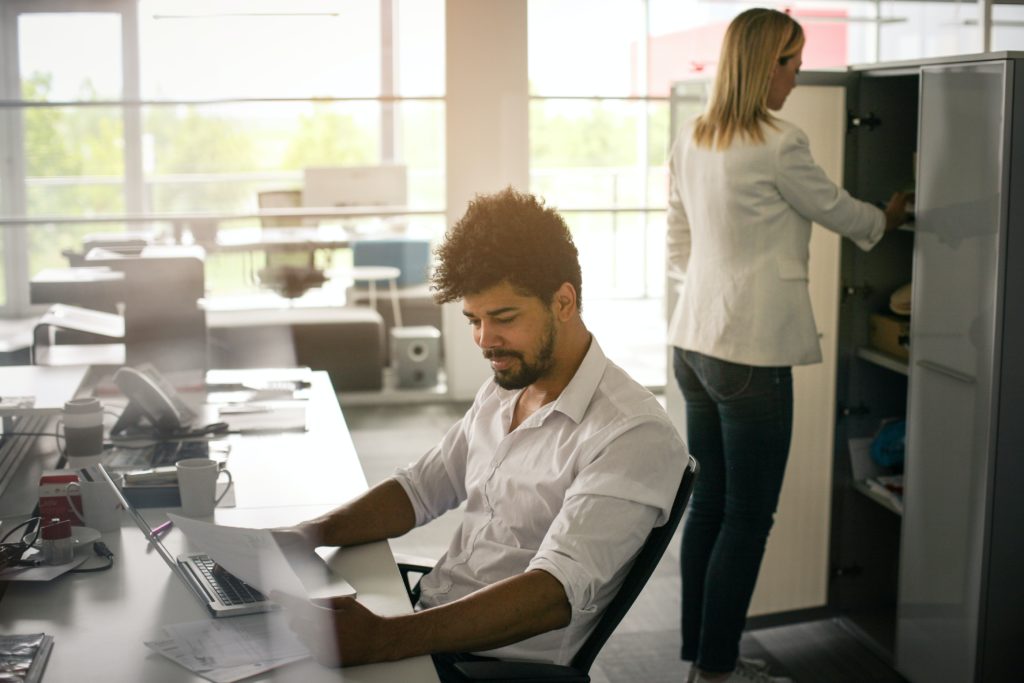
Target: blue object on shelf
[(411, 256), (887, 449)]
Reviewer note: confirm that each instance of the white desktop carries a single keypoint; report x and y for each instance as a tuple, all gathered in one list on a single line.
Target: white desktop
[(101, 621)]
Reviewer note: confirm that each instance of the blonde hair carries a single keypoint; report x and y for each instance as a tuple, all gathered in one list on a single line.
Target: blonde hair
[(755, 42)]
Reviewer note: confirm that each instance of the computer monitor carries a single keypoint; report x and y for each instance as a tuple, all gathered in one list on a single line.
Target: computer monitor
[(338, 186), (38, 389)]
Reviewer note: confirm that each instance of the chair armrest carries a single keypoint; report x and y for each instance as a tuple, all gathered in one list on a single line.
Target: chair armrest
[(415, 563), (412, 564), (527, 672)]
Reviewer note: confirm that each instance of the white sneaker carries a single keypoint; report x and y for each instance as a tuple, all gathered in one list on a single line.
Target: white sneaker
[(752, 663), (749, 663), (744, 675)]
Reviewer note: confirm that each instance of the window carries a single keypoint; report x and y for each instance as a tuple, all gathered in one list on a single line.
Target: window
[(181, 106)]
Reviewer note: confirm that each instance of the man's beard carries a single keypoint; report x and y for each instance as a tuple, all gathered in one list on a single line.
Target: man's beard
[(526, 373)]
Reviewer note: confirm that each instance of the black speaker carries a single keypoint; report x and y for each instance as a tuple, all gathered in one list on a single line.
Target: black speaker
[(416, 355)]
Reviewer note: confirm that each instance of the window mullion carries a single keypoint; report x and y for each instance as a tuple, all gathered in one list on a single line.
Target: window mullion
[(15, 237), (134, 180)]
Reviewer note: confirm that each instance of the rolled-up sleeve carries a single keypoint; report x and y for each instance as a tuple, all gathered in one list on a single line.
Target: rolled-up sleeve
[(609, 511), (804, 185), (436, 482)]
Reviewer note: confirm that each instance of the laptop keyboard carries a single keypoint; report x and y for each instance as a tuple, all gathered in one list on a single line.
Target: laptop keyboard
[(230, 589), (13, 449)]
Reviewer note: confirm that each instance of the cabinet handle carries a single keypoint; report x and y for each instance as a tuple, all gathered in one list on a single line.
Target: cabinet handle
[(948, 372)]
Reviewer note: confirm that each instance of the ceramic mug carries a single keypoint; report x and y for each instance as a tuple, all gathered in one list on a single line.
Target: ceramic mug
[(98, 506), (197, 485)]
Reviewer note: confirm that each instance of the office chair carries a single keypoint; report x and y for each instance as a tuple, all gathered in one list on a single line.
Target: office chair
[(577, 671)]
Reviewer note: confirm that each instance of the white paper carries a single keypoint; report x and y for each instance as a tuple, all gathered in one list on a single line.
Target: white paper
[(218, 643), (264, 416), (250, 554), (227, 650)]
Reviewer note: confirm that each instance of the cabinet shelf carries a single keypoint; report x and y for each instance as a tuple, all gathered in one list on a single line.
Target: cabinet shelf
[(883, 359), (885, 500)]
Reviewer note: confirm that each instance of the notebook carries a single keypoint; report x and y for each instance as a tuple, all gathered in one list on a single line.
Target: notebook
[(223, 594)]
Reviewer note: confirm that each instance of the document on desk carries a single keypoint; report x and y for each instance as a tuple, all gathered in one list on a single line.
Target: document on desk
[(264, 416), (226, 650), (255, 557)]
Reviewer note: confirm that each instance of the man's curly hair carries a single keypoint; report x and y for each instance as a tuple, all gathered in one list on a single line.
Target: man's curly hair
[(507, 236)]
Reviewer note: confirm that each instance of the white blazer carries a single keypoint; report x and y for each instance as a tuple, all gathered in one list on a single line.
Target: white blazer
[(739, 227)]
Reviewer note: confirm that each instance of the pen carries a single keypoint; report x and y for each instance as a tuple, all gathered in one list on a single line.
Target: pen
[(160, 528)]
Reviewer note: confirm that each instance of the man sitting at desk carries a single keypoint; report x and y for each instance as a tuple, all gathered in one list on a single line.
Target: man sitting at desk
[(565, 464)]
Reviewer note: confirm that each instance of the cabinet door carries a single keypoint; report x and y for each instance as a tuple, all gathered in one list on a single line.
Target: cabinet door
[(794, 573), (961, 173)]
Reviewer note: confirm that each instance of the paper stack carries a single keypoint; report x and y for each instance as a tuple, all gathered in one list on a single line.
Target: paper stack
[(226, 650)]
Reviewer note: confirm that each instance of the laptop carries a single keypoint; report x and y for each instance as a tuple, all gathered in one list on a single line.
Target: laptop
[(223, 594)]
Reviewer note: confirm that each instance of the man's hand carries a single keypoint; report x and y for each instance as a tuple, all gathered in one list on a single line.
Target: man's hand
[(341, 633)]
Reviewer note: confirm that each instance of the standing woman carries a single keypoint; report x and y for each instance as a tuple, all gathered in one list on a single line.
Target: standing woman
[(744, 190)]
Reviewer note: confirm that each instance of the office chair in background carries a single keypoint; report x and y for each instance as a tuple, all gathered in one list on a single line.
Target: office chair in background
[(578, 669)]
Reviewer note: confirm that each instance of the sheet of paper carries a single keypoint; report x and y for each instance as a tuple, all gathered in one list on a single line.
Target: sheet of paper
[(226, 650), (264, 416), (250, 554), (249, 639)]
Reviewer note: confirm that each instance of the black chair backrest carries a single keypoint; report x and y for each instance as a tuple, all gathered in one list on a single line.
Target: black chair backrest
[(643, 566)]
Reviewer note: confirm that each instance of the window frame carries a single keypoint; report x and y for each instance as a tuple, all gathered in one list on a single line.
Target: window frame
[(13, 180)]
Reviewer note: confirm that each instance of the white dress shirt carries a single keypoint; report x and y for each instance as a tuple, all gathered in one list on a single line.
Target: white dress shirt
[(574, 490), (739, 226)]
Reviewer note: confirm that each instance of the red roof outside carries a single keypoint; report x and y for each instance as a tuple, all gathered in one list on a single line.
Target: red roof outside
[(684, 54)]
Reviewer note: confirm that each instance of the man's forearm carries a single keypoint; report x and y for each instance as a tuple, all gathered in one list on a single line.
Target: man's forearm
[(507, 612), (382, 512)]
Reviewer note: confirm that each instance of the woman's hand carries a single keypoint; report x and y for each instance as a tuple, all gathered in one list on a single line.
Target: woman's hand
[(896, 210), (340, 633)]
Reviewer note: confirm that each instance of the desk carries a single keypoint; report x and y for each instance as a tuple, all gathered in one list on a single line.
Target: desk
[(281, 239), (99, 621)]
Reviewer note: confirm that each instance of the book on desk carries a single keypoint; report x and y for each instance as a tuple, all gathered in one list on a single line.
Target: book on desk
[(24, 657)]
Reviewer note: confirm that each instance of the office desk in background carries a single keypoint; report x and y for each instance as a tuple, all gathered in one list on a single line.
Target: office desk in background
[(99, 621)]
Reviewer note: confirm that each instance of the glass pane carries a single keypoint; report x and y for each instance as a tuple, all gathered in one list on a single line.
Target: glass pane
[(1008, 27), (273, 48), (930, 29), (614, 252), (603, 59), (593, 153), (422, 151), (3, 268), (74, 160), (421, 45), (48, 243), (217, 157), (87, 67)]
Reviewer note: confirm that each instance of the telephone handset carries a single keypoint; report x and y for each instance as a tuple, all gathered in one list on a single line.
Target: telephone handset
[(152, 398)]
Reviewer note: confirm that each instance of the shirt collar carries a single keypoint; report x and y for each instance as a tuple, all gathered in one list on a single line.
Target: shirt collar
[(578, 393)]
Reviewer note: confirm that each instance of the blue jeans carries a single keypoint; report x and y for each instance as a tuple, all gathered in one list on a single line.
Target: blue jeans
[(738, 422)]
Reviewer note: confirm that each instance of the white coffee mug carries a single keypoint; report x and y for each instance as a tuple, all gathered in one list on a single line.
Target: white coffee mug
[(100, 508), (197, 484)]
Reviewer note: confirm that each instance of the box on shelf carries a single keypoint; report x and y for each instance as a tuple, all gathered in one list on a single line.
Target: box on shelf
[(890, 334)]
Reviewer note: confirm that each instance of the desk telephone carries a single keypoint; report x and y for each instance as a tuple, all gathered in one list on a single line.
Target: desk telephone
[(150, 397)]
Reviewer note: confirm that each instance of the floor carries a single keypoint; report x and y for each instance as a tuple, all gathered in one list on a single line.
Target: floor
[(645, 647)]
